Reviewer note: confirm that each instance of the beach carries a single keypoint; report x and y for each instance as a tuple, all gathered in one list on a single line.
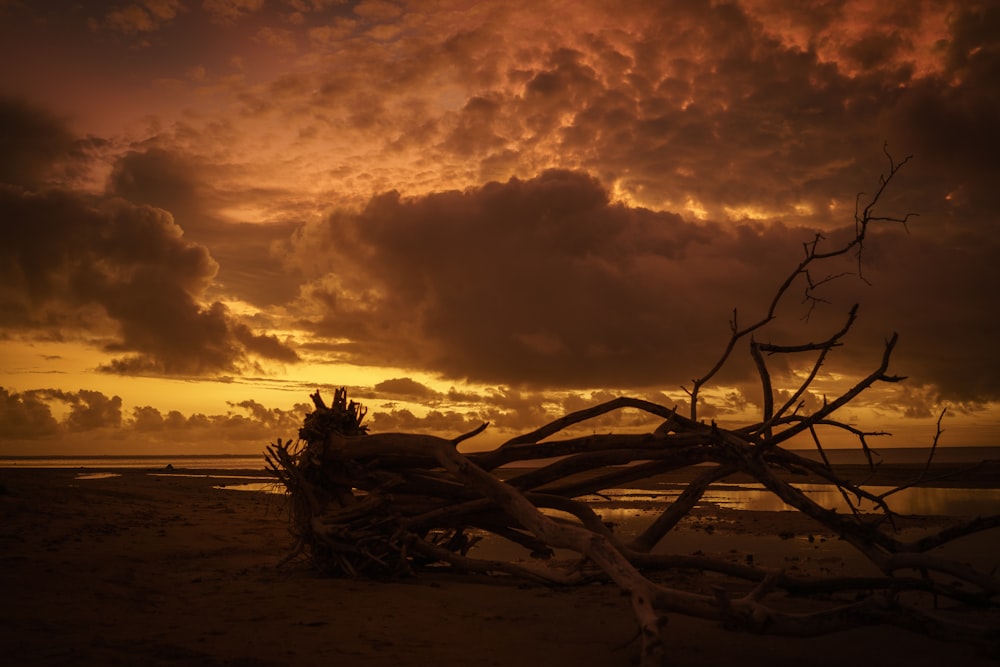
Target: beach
[(166, 567)]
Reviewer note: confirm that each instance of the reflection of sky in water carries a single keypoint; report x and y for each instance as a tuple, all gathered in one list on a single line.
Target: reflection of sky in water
[(96, 475), (631, 511), (273, 487), (754, 497), (921, 501)]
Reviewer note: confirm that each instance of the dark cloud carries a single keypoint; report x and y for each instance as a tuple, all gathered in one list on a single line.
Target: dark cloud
[(147, 418), (404, 387), (32, 142), (28, 415), (704, 106), (545, 282), (25, 415), (74, 263), (93, 410), (230, 11), (275, 421), (937, 295), (949, 122), (182, 185), (142, 17), (266, 346), (88, 409), (166, 180), (435, 421), (67, 254), (525, 196)]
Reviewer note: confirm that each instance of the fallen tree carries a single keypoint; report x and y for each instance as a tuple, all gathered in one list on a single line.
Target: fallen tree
[(393, 504)]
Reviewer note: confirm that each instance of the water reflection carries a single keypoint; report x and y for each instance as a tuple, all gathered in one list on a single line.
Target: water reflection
[(616, 504), (259, 487), (96, 475), (754, 497)]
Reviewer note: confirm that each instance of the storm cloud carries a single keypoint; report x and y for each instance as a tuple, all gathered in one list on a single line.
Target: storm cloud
[(533, 204), (547, 282), (78, 264)]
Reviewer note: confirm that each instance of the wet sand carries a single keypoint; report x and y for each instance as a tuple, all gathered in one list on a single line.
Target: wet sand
[(168, 570)]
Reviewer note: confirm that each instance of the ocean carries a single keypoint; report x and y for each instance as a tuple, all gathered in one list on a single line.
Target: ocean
[(890, 455), (152, 462), (948, 502)]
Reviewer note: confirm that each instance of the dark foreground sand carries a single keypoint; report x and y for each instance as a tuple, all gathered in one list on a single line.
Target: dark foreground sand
[(143, 569)]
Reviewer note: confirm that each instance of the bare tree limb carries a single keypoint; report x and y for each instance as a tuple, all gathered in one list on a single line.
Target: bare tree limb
[(396, 504)]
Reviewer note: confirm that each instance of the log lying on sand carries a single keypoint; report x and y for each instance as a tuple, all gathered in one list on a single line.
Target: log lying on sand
[(393, 504)]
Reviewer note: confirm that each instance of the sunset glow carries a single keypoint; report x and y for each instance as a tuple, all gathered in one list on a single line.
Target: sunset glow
[(479, 211)]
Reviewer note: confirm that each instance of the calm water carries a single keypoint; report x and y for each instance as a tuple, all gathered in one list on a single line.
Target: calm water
[(639, 504), (256, 461), (902, 455), (633, 502), (201, 462)]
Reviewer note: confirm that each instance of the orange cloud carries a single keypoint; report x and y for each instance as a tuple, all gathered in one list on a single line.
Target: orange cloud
[(532, 194)]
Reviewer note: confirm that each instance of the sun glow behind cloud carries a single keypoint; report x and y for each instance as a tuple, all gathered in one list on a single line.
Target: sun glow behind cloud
[(511, 200)]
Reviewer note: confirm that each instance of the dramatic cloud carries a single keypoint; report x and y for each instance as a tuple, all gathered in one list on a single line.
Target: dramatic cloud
[(31, 144), (227, 11), (145, 16), (435, 421), (25, 416), (183, 185), (75, 264), (89, 409), (28, 416), (500, 211), (67, 255), (405, 387), (549, 283)]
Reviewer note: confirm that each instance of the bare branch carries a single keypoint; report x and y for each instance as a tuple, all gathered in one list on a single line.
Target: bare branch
[(393, 504)]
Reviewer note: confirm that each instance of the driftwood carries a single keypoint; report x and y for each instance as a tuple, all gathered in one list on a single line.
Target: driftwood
[(393, 504)]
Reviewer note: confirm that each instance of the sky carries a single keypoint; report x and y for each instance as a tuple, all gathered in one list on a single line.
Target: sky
[(485, 211)]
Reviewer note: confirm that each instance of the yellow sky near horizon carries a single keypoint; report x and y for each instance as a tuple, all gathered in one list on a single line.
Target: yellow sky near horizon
[(473, 212)]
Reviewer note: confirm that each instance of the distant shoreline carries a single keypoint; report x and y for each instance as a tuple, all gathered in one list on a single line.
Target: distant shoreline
[(894, 456), (979, 475), (152, 461)]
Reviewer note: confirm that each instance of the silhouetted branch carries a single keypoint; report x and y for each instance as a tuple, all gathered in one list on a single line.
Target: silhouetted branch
[(393, 504), (927, 466)]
